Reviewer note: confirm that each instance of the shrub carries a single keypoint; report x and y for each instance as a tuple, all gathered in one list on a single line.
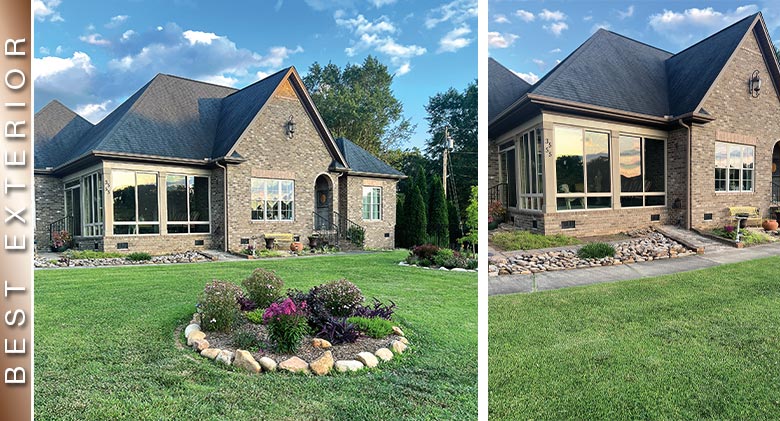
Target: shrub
[(287, 325), (378, 309), (497, 211), (263, 287), (219, 304), (356, 235), (438, 217), (425, 251), (246, 303), (416, 217), (255, 316), (337, 298), (91, 254), (245, 340), (61, 239), (444, 256), (374, 327), (338, 330), (138, 256), (596, 251)]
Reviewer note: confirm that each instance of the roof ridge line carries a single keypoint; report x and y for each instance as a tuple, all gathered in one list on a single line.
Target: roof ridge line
[(286, 69), (510, 71), (196, 81), (121, 119), (637, 41), (715, 34)]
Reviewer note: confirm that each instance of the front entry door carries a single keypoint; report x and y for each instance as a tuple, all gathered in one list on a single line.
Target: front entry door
[(323, 210)]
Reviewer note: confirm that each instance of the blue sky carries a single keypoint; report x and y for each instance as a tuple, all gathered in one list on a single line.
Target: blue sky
[(93, 55), (531, 37)]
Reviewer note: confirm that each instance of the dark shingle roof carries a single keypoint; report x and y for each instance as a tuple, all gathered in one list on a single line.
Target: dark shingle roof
[(360, 160), (612, 71), (57, 132), (692, 71), (504, 88)]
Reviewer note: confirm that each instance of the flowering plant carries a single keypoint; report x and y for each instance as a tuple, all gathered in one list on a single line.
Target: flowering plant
[(335, 298), (219, 305), (61, 239), (729, 228), (496, 211), (263, 287), (287, 324)]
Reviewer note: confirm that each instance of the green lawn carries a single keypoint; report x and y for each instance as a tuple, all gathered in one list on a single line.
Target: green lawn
[(696, 345), (105, 347), (525, 240)]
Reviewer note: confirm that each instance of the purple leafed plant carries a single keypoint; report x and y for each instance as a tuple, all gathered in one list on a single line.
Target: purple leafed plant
[(378, 309), (246, 303), (337, 330)]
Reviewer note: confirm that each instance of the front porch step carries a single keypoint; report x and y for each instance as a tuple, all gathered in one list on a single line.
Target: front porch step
[(690, 239)]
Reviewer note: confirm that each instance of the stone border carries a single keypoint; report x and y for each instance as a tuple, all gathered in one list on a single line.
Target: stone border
[(323, 365)]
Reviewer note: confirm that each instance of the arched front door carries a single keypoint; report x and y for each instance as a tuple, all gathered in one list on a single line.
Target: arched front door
[(323, 203), (776, 174)]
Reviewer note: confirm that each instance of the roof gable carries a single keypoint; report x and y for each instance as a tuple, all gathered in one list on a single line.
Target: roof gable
[(362, 161), (504, 86), (58, 131)]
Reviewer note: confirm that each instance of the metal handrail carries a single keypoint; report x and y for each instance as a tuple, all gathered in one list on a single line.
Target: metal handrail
[(350, 231), (62, 224), (330, 233), (499, 192), (775, 193)]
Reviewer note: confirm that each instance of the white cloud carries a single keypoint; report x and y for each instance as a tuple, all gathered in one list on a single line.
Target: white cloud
[(538, 62), (499, 40), (683, 27), (44, 50), (45, 10), (380, 3), (160, 28), (117, 21), (588, 18), (360, 25), (556, 28), (455, 39), (262, 75), (198, 37), (600, 25), (277, 55), (127, 34), (555, 51), (525, 15), (95, 112), (94, 39), (529, 77), (47, 67), (58, 50), (627, 14), (220, 80), (404, 69), (456, 11), (500, 19), (552, 15)]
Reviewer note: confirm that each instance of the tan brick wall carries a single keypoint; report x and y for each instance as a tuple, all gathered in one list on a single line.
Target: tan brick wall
[(375, 230), (49, 207), (152, 244), (741, 119)]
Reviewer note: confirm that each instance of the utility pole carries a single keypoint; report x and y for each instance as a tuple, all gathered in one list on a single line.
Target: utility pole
[(445, 156)]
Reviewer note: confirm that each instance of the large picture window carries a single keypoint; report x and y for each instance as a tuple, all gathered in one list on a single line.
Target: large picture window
[(92, 188), (372, 203), (582, 169), (272, 200), (531, 151), (642, 172), (188, 204), (734, 165), (136, 206)]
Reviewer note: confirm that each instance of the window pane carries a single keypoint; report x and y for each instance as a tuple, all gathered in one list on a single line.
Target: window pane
[(655, 166), (148, 229), (570, 203), (655, 200), (734, 180), (720, 179), (532, 159), (597, 155), (511, 171), (522, 146), (199, 228), (721, 155), (630, 165), (176, 193), (568, 160), (124, 196), (747, 157), (735, 156), (747, 180), (124, 229), (177, 229), (147, 197), (199, 198), (599, 202), (631, 201), (272, 200), (539, 162), (257, 200)]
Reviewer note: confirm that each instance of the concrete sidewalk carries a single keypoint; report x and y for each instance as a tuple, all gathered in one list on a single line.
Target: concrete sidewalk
[(509, 284)]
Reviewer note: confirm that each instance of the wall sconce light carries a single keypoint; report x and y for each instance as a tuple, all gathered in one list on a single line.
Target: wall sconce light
[(755, 84), (290, 127)]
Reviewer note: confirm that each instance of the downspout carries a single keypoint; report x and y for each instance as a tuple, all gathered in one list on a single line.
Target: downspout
[(688, 183), (224, 205)]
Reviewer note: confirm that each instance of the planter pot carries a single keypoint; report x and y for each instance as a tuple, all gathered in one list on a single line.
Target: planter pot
[(58, 249), (770, 225), (296, 246), (269, 243), (493, 225), (315, 242)]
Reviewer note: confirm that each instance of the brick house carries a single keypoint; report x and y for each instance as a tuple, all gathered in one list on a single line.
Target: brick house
[(623, 135), (187, 165)]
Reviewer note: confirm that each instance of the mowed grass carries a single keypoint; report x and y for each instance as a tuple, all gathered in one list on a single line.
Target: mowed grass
[(105, 346), (696, 345), (524, 240)]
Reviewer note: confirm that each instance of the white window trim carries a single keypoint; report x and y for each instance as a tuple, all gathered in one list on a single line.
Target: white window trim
[(264, 220), (371, 204), (188, 223), (585, 195), (137, 223), (99, 226), (643, 194), (742, 170)]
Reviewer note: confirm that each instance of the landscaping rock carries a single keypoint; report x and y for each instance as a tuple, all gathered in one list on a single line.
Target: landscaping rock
[(210, 353), (195, 336), (320, 343), (196, 318), (348, 365), (268, 364), (225, 357), (403, 340), (191, 328), (397, 330), (294, 365), (398, 347), (245, 360), (200, 345), (368, 359), (384, 354), (323, 364)]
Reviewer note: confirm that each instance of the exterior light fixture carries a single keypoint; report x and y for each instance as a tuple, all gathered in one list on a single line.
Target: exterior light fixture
[(290, 127), (755, 84)]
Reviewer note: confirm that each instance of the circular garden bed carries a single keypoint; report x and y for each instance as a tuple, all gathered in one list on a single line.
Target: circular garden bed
[(264, 329)]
